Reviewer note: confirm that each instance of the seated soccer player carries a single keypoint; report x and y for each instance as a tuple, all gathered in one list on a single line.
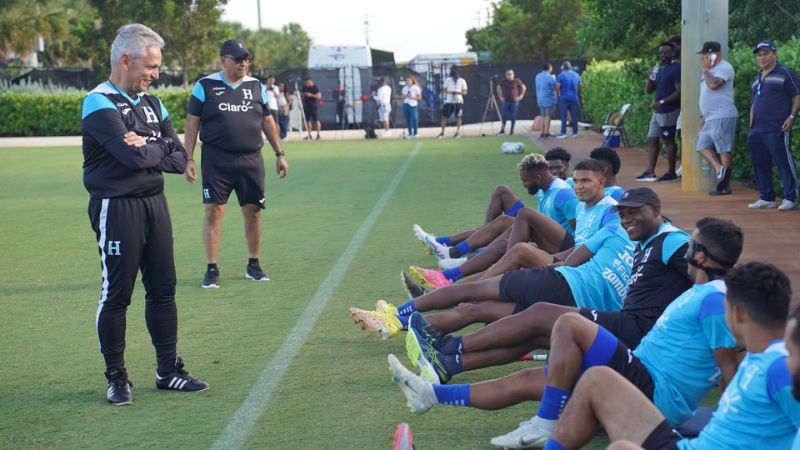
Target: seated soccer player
[(558, 162), (757, 409), (676, 363), (792, 340), (610, 160), (551, 228), (522, 288), (660, 275)]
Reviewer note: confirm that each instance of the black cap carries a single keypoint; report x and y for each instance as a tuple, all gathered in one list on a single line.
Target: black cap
[(710, 47), (765, 45), (234, 48), (637, 197)]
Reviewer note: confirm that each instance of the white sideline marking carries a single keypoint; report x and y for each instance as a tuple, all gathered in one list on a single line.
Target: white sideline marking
[(242, 422)]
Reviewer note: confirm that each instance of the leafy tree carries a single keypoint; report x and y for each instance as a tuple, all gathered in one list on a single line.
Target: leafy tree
[(274, 50), (22, 23), (529, 29), (751, 21)]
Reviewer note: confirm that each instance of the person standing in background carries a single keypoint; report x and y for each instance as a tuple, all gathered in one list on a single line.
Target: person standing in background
[(568, 89), (284, 106), (546, 97), (510, 90), (411, 97)]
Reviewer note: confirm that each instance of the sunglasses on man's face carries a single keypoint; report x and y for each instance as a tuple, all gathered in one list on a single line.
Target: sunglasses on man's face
[(239, 60)]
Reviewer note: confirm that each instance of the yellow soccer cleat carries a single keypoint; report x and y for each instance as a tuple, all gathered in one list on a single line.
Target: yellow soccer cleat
[(384, 324)]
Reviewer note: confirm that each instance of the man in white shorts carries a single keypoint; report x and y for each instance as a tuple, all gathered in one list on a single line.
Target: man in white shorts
[(718, 114)]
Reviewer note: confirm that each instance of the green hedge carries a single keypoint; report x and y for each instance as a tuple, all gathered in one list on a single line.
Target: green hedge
[(29, 114), (609, 85)]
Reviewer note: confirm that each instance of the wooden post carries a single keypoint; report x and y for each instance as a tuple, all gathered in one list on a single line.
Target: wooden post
[(702, 20)]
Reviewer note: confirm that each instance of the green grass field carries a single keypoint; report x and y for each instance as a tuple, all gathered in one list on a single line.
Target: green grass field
[(336, 393)]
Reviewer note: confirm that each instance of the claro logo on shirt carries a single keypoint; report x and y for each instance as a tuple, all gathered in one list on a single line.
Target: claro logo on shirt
[(230, 107)]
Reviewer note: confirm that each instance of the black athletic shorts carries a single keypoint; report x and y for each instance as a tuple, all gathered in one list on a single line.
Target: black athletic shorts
[(663, 437), (312, 113), (450, 108), (224, 172), (529, 286), (567, 243), (624, 326), (625, 363)]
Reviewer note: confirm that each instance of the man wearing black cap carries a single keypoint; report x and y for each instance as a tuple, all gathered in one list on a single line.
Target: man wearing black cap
[(231, 110), (775, 102), (718, 115)]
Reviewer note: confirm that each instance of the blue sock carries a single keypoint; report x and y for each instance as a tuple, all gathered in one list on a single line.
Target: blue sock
[(452, 364), (553, 401), (403, 320), (450, 345), (406, 308), (452, 394), (512, 212), (444, 240), (462, 248), (601, 351), (553, 444), (453, 274)]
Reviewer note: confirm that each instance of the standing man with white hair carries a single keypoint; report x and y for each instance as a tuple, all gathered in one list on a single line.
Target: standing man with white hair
[(128, 141)]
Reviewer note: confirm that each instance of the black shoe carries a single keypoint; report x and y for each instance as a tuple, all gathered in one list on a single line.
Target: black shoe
[(255, 273), (669, 176), (119, 387), (413, 289), (716, 192), (211, 280), (501, 133), (723, 178), (646, 176), (180, 380)]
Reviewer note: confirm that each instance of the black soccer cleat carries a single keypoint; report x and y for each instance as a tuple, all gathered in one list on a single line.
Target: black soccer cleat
[(180, 380), (211, 279), (255, 273), (413, 289), (119, 387)]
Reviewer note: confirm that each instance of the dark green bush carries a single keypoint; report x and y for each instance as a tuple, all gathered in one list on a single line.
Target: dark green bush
[(609, 85), (48, 114)]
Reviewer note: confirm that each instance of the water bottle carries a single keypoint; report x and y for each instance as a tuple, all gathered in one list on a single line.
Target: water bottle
[(654, 73)]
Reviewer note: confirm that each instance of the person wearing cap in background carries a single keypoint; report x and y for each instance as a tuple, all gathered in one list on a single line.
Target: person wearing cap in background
[(718, 115), (775, 102), (230, 110)]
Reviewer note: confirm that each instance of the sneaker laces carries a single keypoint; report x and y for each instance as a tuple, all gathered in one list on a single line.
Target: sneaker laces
[(179, 370), (120, 379)]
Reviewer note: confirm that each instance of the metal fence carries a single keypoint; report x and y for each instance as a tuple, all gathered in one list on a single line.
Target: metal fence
[(347, 92)]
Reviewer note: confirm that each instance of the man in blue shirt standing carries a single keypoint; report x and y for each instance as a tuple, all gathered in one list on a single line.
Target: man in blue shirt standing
[(546, 97), (757, 409), (665, 81), (568, 89), (776, 100)]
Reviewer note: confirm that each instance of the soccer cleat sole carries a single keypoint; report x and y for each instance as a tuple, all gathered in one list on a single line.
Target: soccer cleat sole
[(250, 277), (209, 286), (381, 331)]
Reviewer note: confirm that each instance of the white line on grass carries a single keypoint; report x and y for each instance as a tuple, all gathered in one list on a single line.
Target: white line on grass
[(240, 425)]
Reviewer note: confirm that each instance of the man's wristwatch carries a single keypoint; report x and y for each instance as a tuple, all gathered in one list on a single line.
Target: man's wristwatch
[(661, 102), (277, 154), (791, 116)]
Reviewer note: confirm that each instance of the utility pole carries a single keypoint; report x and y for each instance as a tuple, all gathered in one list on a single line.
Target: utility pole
[(258, 9), (366, 28)]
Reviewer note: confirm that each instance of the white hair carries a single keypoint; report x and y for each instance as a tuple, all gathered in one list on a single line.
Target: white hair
[(133, 39)]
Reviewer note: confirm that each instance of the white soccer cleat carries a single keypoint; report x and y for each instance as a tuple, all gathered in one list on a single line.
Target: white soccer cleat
[(420, 233), (529, 434), (451, 263), (419, 393), (438, 250)]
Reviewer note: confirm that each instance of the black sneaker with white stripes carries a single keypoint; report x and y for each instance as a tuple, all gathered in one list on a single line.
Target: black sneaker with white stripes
[(180, 380), (255, 273), (119, 387)]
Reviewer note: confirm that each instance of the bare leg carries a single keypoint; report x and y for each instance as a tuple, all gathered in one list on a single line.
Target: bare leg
[(319, 127), (520, 386), (466, 314), (212, 226), (308, 128), (522, 255), (443, 123), (671, 154), (652, 154), (533, 324), (484, 290), (571, 338), (604, 397), (252, 229), (532, 226), (458, 125), (711, 156), (624, 445), (502, 200), (493, 253), (489, 232)]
